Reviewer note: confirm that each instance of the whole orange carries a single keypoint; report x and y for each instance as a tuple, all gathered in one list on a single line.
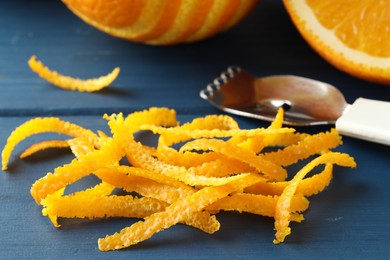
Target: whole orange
[(161, 22)]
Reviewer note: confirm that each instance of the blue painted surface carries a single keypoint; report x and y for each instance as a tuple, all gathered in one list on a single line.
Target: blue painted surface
[(348, 220)]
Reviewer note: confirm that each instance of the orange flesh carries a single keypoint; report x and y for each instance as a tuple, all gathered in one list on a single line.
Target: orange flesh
[(357, 23)]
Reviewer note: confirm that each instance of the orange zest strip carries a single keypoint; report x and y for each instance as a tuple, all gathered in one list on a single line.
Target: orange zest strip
[(222, 168), (256, 204), (284, 139), (311, 145), (51, 204), (157, 116), (42, 146), (47, 212), (282, 214), (187, 159), (101, 189), (204, 221), (222, 122), (278, 121), (86, 206), (42, 125), (205, 133), (70, 83), (307, 187), (253, 144)]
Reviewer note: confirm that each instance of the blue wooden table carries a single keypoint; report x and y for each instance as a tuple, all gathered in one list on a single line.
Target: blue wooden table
[(349, 220)]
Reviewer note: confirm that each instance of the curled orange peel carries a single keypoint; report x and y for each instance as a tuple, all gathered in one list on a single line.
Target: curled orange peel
[(44, 145), (309, 186), (71, 83)]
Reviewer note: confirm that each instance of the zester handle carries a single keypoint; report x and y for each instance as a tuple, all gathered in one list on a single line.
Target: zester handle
[(366, 119)]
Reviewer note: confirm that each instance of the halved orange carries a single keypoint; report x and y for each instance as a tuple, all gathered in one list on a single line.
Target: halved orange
[(352, 35), (161, 22)]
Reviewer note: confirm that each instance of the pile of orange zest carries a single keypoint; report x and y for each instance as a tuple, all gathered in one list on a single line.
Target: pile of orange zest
[(196, 170), (70, 83)]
